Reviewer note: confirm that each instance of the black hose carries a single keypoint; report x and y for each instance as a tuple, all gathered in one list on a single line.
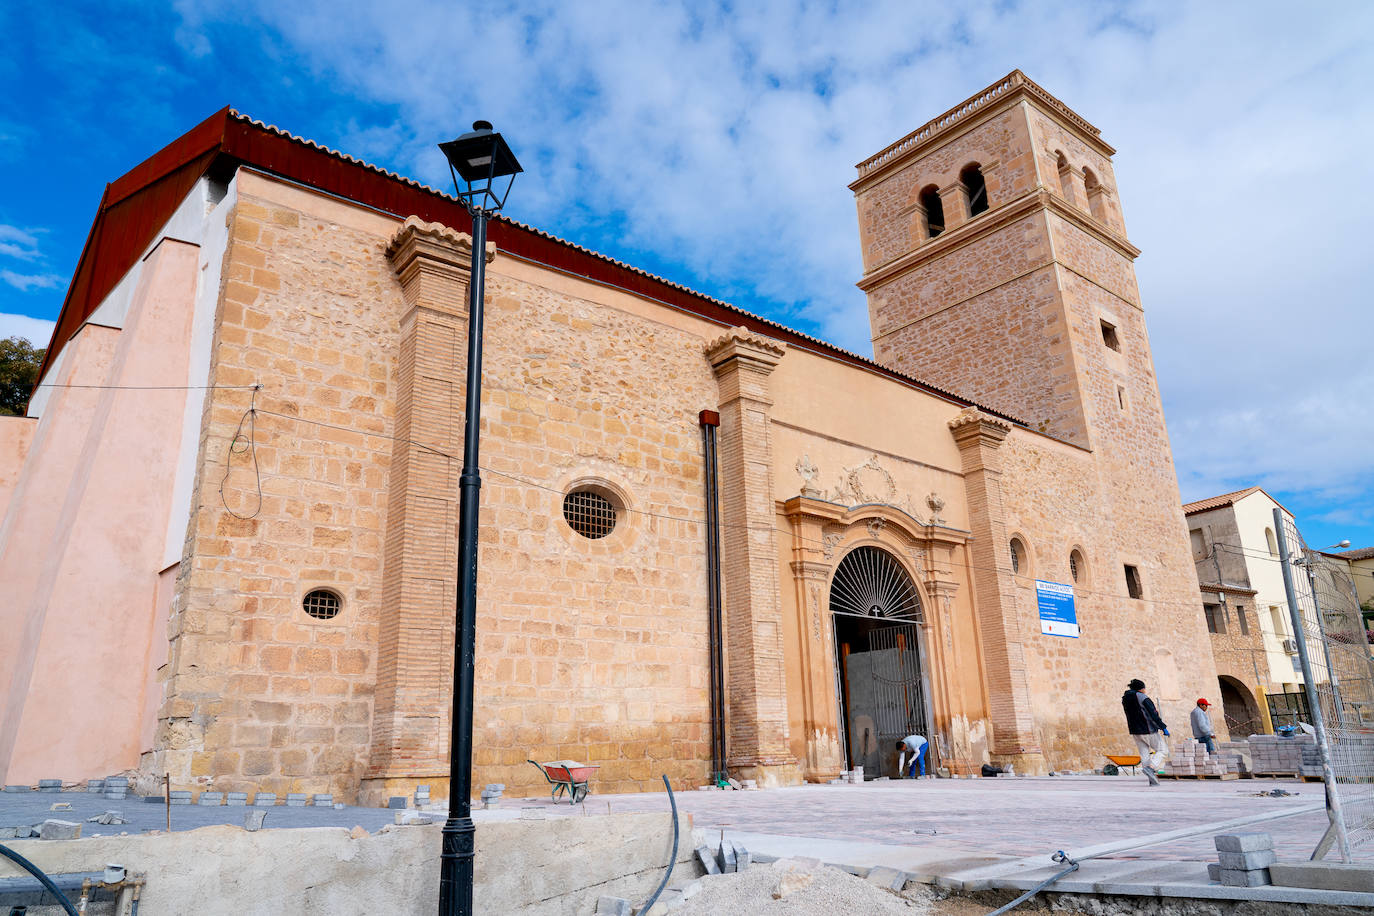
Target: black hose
[(67, 904), (672, 860), (1057, 857)]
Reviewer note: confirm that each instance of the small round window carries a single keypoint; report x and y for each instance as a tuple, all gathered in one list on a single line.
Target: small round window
[(321, 604), (589, 513)]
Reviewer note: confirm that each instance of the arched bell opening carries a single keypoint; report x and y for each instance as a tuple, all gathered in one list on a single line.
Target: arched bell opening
[(880, 660)]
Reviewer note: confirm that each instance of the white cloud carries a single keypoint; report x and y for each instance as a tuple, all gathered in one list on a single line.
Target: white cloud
[(26, 282), (719, 142), (35, 330), (17, 243)]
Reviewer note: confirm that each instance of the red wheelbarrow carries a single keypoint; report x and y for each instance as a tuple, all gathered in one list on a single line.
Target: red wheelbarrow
[(567, 776)]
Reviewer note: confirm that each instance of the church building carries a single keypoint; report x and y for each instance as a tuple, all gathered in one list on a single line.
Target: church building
[(708, 542)]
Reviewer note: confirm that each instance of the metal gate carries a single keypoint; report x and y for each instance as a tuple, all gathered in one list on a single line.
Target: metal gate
[(898, 701)]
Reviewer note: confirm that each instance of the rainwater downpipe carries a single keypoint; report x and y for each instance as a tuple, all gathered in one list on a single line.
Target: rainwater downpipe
[(710, 420)]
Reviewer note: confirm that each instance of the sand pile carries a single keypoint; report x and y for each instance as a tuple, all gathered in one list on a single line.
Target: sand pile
[(795, 888)]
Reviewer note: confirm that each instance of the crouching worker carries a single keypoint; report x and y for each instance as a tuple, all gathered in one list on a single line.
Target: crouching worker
[(915, 745)]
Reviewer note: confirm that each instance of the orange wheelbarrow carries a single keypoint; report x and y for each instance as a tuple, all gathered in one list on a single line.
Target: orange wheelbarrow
[(567, 776), (1124, 760)]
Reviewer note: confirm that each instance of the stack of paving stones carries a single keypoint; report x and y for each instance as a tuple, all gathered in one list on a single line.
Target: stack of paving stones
[(179, 797), (236, 799), (49, 785), (1243, 859), (421, 796), (1271, 755), (264, 799), (95, 786), (323, 801), (1190, 758), (297, 799), (116, 787), (210, 799)]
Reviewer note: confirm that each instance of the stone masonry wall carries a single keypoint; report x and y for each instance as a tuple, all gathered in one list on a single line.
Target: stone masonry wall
[(593, 650)]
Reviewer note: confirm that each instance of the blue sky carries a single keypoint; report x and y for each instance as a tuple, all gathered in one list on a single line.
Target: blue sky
[(712, 144)]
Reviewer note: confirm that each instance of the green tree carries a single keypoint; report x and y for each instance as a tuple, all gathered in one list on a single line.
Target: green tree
[(19, 362)]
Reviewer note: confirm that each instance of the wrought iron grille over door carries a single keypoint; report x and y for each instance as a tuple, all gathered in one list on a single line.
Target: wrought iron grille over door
[(869, 583)]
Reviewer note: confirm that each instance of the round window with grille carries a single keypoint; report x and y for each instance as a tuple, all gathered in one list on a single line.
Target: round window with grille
[(870, 583), (589, 513), (322, 604)]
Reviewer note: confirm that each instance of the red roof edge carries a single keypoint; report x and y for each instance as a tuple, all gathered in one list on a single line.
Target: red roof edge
[(228, 133)]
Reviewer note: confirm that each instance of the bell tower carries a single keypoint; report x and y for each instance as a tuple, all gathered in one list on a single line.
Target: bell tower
[(997, 266)]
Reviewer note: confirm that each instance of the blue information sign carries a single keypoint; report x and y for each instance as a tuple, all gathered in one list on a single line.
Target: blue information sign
[(1057, 616)]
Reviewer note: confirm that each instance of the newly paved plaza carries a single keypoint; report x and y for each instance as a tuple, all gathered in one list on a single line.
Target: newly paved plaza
[(968, 834)]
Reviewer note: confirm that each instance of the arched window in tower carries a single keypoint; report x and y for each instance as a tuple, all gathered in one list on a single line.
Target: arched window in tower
[(1065, 184), (1094, 188), (972, 177), (935, 210)]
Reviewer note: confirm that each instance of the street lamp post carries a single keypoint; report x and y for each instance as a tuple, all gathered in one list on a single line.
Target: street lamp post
[(479, 159)]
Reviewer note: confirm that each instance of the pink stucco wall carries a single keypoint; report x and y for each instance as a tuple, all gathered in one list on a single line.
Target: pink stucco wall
[(83, 567), (16, 434)]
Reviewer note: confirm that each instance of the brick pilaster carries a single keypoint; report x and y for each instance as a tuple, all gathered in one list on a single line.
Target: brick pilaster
[(758, 734), (979, 438), (410, 726)]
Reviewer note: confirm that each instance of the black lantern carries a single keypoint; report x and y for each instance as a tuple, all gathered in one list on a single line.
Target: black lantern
[(480, 158)]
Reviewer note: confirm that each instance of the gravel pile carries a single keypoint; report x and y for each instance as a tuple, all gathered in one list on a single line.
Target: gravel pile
[(804, 889)]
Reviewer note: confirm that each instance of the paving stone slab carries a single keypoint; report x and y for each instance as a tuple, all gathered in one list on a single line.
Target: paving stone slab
[(707, 860), (1243, 842), (894, 879), (264, 799), (1242, 877), (53, 829), (1327, 876), (1260, 858), (612, 906)]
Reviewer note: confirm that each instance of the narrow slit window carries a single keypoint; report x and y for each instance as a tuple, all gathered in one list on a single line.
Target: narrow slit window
[(1121, 398), (1133, 586)]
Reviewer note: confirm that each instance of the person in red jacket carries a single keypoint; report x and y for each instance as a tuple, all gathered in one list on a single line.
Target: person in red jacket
[(1146, 727)]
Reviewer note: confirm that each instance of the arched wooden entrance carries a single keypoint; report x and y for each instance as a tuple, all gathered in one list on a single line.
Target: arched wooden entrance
[(1239, 707)]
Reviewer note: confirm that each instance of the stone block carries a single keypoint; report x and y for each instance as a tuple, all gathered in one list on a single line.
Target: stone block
[(95, 785), (53, 829), (116, 781), (894, 879), (117, 793), (180, 796), (17, 789), (252, 820), (397, 801), (264, 799), (323, 801), (743, 858), (728, 862), (49, 785), (210, 799), (707, 860), (612, 906), (296, 799), (1240, 877), (1213, 871), (1326, 876), (1243, 842), (1260, 858), (237, 799)]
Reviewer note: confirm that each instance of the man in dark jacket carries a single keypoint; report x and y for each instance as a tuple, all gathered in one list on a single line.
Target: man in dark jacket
[(1146, 727)]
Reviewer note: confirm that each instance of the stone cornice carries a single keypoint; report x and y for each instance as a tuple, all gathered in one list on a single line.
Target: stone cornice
[(972, 427), (415, 233), (988, 222), (759, 352), (1002, 95)]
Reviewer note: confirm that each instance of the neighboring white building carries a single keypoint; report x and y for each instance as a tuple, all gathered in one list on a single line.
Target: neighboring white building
[(1235, 547)]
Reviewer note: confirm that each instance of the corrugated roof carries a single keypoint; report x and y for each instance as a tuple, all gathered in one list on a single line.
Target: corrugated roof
[(137, 204)]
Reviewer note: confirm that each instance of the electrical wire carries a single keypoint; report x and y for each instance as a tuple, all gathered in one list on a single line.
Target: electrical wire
[(1079, 590), (249, 444)]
